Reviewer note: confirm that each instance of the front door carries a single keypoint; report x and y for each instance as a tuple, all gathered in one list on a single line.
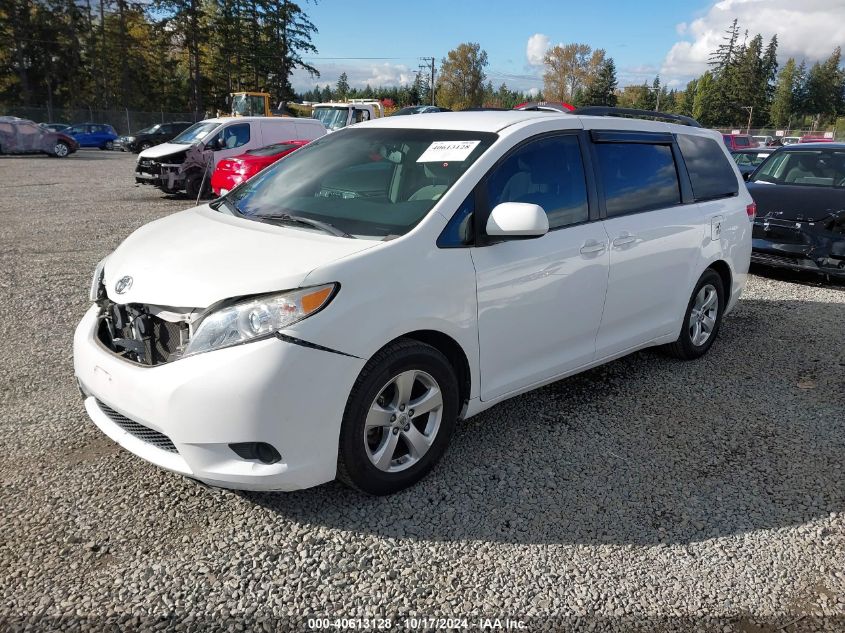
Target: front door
[(540, 300), (233, 140)]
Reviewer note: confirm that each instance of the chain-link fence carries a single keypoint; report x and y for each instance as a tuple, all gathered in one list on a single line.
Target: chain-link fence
[(123, 121), (829, 132)]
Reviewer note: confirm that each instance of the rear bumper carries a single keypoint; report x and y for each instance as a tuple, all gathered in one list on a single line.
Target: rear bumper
[(823, 256)]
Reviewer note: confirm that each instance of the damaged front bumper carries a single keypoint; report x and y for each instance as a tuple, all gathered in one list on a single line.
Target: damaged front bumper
[(808, 246), (169, 177)]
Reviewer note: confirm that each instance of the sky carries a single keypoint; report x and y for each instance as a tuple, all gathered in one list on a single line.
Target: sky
[(646, 37)]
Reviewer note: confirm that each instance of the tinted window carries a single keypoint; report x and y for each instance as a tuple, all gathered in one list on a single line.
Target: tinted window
[(710, 172), (741, 141), (637, 177), (547, 172)]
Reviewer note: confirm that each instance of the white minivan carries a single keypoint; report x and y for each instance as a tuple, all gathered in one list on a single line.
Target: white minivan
[(337, 314), (187, 162)]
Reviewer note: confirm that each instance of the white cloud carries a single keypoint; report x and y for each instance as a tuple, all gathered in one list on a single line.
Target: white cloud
[(358, 75), (536, 49), (805, 29)]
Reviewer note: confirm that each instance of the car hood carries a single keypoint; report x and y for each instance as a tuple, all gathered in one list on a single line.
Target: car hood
[(165, 149), (796, 202), (197, 257)]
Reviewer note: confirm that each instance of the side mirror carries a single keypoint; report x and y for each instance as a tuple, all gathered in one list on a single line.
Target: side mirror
[(747, 175), (517, 220)]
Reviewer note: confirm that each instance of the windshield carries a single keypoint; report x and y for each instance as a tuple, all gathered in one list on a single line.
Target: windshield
[(149, 130), (248, 105), (196, 132), (332, 118), (751, 158), (822, 168), (372, 183)]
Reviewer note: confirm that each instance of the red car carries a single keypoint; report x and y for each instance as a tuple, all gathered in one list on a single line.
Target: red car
[(738, 141), (812, 138), (231, 172)]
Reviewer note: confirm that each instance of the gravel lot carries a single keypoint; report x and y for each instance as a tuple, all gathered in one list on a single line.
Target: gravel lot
[(646, 495)]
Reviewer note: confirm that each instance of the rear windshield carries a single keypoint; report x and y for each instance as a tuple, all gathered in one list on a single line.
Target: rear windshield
[(809, 168), (370, 183)]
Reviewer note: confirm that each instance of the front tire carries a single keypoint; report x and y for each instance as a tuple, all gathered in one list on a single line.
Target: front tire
[(193, 183), (702, 318), (108, 146), (399, 418), (61, 149), (144, 146)]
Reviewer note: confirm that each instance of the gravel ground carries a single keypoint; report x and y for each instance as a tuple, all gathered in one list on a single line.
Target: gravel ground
[(647, 495)]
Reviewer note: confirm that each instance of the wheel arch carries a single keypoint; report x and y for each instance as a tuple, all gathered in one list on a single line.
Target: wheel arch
[(723, 269), (453, 351)]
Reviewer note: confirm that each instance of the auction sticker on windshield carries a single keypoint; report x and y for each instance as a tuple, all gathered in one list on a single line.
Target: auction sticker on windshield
[(446, 151)]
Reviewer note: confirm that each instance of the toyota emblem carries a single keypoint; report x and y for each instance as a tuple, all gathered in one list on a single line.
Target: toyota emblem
[(123, 284)]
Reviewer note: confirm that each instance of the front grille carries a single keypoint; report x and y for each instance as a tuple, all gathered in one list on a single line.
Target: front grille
[(143, 433), (149, 166), (132, 332)]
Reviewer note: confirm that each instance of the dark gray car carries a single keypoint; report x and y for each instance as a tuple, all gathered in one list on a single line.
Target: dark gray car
[(21, 136)]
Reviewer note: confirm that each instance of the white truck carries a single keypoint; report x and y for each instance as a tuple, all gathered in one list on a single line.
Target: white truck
[(336, 115)]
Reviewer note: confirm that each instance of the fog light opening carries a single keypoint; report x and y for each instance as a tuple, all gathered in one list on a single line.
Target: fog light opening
[(262, 451)]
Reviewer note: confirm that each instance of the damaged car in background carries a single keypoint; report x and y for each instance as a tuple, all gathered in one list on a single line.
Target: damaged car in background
[(800, 196), (21, 136), (187, 162)]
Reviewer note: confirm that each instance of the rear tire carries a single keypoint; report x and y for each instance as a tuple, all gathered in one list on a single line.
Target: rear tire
[(702, 318), (385, 445)]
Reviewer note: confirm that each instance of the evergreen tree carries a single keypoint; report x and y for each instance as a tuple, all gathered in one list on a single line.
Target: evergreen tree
[(342, 87), (602, 90), (784, 102)]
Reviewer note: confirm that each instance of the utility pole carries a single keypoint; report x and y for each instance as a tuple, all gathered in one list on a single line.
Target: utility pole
[(750, 112), (429, 65)]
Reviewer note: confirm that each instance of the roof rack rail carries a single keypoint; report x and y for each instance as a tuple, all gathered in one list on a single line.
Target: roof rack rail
[(635, 113)]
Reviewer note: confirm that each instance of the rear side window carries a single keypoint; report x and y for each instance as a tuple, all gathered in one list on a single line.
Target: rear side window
[(637, 177), (547, 172), (741, 141), (710, 172)]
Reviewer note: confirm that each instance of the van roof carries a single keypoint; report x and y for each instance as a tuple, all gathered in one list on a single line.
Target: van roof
[(247, 119)]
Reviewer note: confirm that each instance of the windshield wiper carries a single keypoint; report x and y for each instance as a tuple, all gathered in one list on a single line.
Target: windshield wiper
[(298, 219)]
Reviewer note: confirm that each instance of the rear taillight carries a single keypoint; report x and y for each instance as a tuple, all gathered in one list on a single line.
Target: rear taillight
[(751, 210), (225, 165)]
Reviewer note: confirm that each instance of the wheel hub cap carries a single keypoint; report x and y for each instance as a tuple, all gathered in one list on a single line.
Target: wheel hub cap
[(702, 319), (403, 421)]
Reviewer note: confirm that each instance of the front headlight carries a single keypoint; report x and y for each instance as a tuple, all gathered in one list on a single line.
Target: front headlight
[(258, 318), (97, 290)]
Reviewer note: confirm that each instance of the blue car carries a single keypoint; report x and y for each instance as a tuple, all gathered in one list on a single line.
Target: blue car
[(93, 135)]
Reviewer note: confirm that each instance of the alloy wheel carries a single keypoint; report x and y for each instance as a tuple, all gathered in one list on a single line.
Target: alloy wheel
[(60, 150), (702, 318), (403, 421)]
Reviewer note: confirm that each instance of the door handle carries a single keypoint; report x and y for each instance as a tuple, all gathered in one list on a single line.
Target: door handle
[(592, 246), (624, 239)]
